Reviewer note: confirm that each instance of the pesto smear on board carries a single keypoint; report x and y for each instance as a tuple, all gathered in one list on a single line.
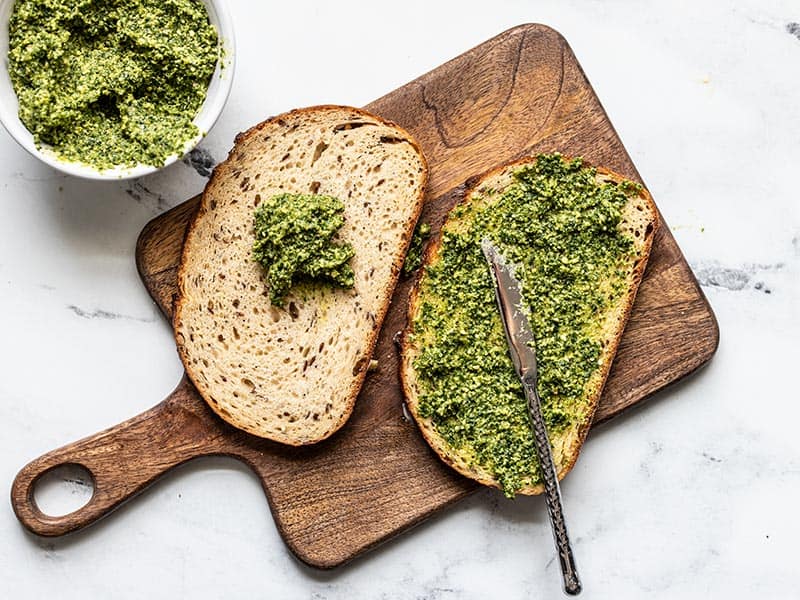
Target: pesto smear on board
[(294, 242), (413, 259), (113, 82), (561, 230)]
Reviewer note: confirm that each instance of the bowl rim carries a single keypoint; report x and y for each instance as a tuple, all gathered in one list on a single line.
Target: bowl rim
[(217, 94)]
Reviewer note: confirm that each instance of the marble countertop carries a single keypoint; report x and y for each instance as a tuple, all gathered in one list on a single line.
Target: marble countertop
[(693, 495)]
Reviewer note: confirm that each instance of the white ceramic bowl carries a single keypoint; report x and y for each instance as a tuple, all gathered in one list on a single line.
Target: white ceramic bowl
[(218, 90)]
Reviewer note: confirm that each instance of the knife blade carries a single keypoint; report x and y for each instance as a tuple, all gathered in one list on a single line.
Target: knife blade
[(522, 348)]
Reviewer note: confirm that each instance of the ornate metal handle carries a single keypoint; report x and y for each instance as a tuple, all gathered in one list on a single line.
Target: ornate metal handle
[(552, 491)]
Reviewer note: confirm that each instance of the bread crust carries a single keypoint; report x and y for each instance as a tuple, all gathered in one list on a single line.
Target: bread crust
[(358, 378), (407, 349)]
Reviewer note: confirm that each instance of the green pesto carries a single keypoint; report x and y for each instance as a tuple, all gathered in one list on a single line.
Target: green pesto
[(561, 228), (294, 242), (113, 82), (414, 257)]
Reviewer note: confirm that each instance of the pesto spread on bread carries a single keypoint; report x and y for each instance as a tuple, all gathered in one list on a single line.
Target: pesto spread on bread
[(560, 226), (294, 242), (113, 83)]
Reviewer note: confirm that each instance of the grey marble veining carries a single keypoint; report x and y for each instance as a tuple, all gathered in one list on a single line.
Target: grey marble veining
[(713, 274), (201, 161), (99, 313)]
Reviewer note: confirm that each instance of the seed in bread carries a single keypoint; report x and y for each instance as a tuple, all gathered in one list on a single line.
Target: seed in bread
[(292, 374), (580, 238)]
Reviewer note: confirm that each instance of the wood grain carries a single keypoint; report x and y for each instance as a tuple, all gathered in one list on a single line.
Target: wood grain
[(520, 93)]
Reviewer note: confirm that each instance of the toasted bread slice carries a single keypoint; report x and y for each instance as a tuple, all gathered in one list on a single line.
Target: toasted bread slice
[(639, 220), (291, 374)]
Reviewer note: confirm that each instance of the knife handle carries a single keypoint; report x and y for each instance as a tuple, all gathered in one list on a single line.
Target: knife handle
[(552, 491)]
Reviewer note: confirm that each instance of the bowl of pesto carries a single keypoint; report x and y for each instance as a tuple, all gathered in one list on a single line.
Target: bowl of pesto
[(113, 89)]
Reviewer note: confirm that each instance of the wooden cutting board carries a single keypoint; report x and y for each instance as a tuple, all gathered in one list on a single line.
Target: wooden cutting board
[(520, 93)]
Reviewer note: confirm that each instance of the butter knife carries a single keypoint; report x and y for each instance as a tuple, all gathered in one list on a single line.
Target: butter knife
[(508, 292)]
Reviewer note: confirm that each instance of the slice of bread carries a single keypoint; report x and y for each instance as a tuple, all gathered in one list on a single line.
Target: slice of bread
[(639, 222), (292, 374)]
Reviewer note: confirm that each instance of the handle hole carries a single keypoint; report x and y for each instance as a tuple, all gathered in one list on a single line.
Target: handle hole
[(63, 490)]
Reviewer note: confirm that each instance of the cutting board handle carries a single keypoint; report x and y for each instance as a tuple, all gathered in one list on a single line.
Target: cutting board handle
[(122, 460)]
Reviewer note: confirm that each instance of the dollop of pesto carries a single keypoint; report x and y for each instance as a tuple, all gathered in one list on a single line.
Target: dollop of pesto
[(414, 257), (294, 242), (113, 82), (560, 227)]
